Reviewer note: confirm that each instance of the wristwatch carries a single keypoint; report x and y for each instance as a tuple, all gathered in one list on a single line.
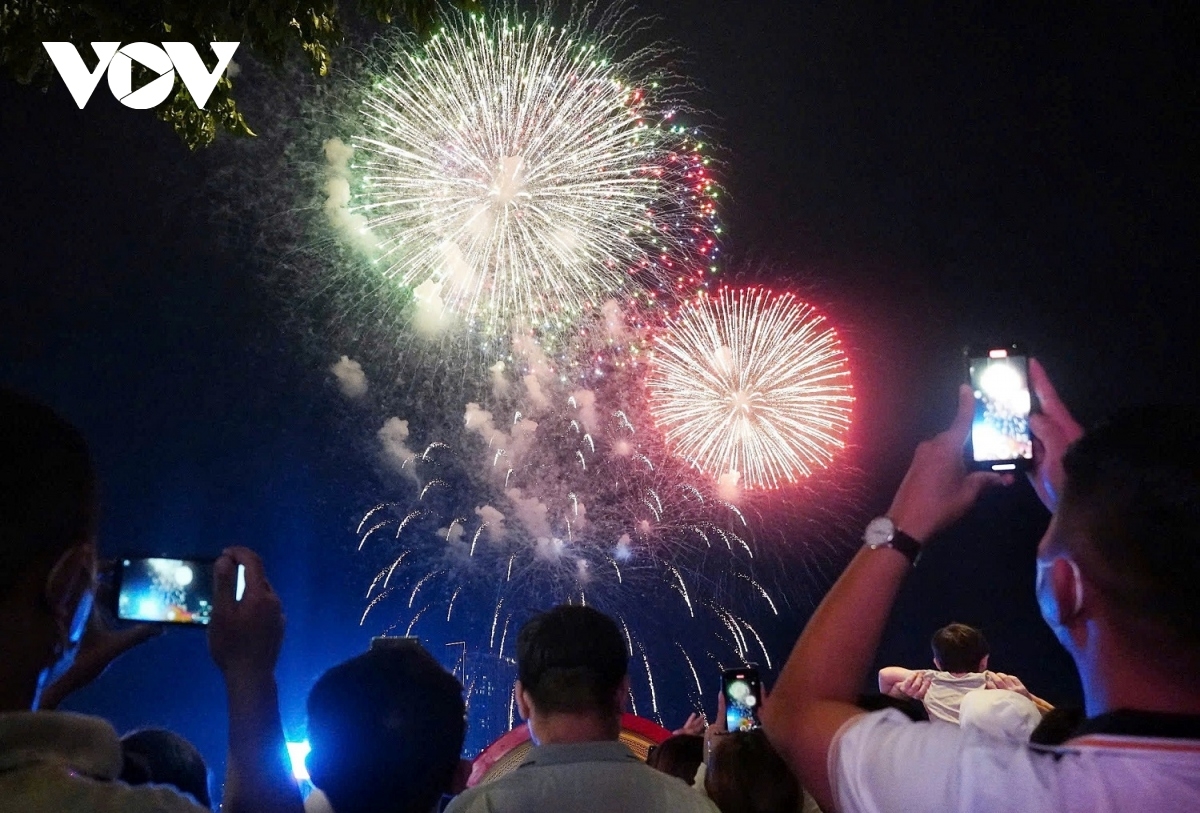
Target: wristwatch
[(882, 533)]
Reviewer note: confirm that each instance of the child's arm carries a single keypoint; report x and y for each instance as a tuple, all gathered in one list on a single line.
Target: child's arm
[(890, 677), (999, 680)]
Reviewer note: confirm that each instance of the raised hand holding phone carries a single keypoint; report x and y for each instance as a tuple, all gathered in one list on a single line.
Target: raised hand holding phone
[(244, 639), (244, 635), (1055, 429)]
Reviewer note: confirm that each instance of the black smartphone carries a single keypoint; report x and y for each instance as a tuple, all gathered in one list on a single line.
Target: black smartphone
[(1000, 438), (742, 688), (168, 591), (396, 642)]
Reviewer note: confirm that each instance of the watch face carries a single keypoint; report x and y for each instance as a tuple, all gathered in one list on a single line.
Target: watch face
[(879, 532)]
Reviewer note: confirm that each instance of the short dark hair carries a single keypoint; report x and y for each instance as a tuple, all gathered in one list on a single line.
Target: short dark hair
[(679, 756), (1133, 488), (47, 487), (386, 730), (746, 775), (572, 660), (1057, 726), (959, 648), (155, 756)]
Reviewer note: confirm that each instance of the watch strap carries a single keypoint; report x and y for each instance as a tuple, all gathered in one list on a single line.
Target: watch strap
[(904, 543)]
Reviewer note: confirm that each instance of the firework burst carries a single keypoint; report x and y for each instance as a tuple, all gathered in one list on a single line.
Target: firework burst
[(517, 174), (751, 386)]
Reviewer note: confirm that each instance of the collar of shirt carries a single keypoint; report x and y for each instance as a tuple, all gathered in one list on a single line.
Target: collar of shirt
[(566, 754), (87, 745), (1147, 724)]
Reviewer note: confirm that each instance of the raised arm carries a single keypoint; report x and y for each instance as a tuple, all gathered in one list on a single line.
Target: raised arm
[(245, 638), (814, 696), (892, 676)]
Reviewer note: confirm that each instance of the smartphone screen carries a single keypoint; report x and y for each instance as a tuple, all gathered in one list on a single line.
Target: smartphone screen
[(1000, 438), (743, 696), (169, 591)]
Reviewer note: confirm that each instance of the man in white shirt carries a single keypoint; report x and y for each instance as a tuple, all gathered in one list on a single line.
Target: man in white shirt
[(1117, 571)]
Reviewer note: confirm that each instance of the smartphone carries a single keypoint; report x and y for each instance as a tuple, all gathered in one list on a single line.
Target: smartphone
[(742, 688), (168, 591), (396, 642), (1000, 438)]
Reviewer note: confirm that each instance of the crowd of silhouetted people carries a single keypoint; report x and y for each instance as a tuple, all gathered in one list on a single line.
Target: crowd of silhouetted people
[(1116, 579)]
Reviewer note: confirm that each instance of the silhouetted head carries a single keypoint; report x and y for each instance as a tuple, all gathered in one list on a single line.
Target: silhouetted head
[(1129, 520), (746, 775), (47, 550), (155, 756), (386, 730), (680, 756)]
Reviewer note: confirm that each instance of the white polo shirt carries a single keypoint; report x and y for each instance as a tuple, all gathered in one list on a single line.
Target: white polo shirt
[(885, 763)]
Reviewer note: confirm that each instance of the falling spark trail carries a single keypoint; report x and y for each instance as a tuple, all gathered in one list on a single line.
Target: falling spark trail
[(430, 485), (374, 601), (392, 569), (374, 528), (421, 584), (411, 516), (754, 632), (431, 447), (369, 514), (650, 681), (692, 666), (619, 414), (475, 538), (683, 590), (375, 581), (495, 620), (504, 637), (761, 590), (450, 608), (416, 617)]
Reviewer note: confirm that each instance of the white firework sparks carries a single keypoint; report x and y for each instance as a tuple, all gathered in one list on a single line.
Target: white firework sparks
[(518, 174), (751, 387)]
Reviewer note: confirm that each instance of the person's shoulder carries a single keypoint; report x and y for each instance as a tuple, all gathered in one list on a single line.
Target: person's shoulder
[(676, 794), (476, 798), (48, 789)]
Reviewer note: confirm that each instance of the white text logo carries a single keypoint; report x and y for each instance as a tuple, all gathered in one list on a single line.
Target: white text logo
[(118, 61)]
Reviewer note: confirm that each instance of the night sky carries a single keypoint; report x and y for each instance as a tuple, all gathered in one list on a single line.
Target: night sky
[(930, 178)]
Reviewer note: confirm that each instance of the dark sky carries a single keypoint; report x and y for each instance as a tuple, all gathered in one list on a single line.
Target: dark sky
[(931, 177)]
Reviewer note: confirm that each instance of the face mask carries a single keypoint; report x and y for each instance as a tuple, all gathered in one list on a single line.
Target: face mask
[(69, 643), (1047, 602)]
